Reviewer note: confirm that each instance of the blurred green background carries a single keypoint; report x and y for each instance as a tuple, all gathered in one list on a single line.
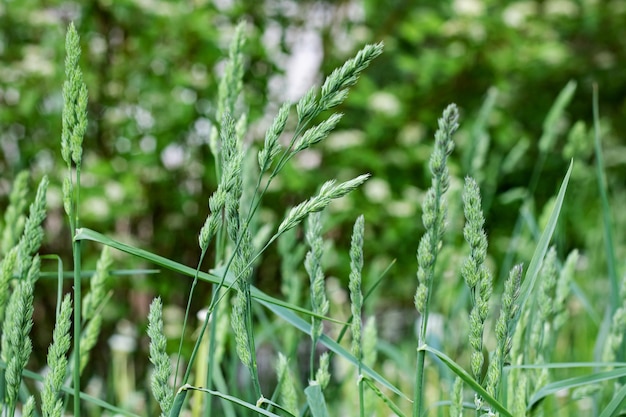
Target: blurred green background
[(152, 69)]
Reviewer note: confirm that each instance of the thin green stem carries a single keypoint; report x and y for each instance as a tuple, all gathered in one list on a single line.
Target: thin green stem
[(361, 392), (182, 336), (251, 346), (76, 247)]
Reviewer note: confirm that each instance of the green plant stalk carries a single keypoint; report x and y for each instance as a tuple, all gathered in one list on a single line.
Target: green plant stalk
[(361, 393), (251, 346), (76, 244), (418, 393)]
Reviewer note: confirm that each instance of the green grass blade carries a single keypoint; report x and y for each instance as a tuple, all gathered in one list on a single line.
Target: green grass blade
[(542, 246), (606, 211), (616, 404), (179, 400), (86, 273), (315, 400), (578, 381), (182, 393), (467, 378), (569, 365), (215, 277), (370, 384)]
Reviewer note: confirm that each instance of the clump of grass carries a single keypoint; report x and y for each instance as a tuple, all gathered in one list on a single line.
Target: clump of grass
[(230, 228)]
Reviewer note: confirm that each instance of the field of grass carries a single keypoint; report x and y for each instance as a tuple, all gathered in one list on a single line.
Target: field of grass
[(534, 343)]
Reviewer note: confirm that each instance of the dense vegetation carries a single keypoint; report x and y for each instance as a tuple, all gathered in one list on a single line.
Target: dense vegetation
[(522, 76)]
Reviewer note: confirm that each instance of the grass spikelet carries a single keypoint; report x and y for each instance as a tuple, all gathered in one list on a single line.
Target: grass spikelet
[(313, 266), (287, 384), (271, 147), (231, 83), (322, 376), (317, 133), (504, 328), (356, 295), (14, 217), (7, 266), (88, 339), (334, 89), (434, 218), (51, 400), (16, 343), (161, 390), (456, 403), (238, 321), (99, 283), (306, 107), (328, 192), (33, 232), (475, 273), (29, 407), (74, 116)]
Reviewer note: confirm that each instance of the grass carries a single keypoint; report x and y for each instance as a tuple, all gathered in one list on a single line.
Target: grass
[(505, 366)]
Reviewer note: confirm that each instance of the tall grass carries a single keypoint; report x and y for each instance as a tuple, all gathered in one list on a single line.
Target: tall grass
[(511, 338)]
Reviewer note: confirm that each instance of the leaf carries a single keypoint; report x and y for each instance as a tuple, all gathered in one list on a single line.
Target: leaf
[(214, 277), (578, 381), (467, 378), (540, 251), (316, 401), (182, 392), (616, 404)]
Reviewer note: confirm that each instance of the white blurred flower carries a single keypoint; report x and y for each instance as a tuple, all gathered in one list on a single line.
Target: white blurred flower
[(516, 14), (385, 103), (377, 190), (468, 7)]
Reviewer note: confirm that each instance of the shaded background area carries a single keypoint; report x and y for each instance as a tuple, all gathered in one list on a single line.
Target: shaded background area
[(152, 69)]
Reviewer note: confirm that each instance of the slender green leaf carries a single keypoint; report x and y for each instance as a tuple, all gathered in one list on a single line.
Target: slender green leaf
[(616, 404), (316, 401), (467, 378), (182, 392), (383, 397), (578, 381), (179, 400), (86, 273), (542, 246), (569, 365), (213, 277)]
